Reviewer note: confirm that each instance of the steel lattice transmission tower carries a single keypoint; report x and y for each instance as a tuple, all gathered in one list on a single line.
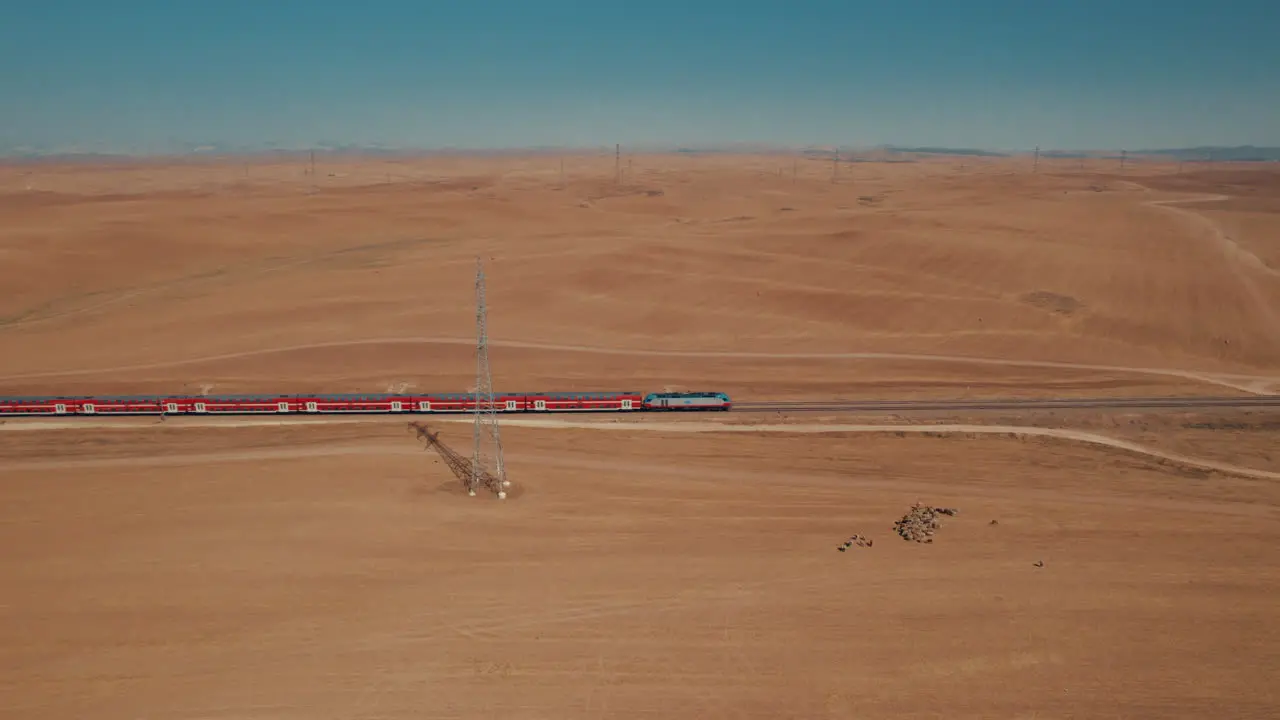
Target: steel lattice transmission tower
[(487, 468)]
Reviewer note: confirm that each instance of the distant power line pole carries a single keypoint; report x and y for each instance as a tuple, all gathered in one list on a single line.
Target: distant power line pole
[(617, 164), (1035, 164), (835, 165), (1123, 156)]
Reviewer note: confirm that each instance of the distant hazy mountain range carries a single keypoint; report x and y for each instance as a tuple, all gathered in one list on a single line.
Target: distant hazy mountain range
[(1240, 153), (880, 153)]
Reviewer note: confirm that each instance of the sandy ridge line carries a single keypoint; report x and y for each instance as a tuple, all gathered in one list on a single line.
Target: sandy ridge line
[(1220, 235), (695, 427), (1255, 384), (1238, 257), (260, 268)]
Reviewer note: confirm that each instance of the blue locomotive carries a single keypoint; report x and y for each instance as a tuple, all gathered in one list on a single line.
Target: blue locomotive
[(687, 401)]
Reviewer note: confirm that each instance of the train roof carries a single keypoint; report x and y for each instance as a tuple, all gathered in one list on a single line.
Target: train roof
[(708, 393), (324, 396), (610, 393), (37, 398)]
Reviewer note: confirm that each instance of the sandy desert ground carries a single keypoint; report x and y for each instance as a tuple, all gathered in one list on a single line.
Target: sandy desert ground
[(139, 278), (319, 572), (171, 570)]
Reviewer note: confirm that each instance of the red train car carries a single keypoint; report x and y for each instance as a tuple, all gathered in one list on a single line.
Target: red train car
[(104, 405), (624, 401), (583, 402), (120, 405), (34, 405)]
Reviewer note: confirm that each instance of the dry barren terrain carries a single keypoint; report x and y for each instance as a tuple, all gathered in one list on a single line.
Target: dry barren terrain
[(332, 570), (323, 571), (898, 278)]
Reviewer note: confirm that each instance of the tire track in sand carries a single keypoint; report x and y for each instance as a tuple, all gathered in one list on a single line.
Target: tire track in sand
[(1079, 436), (1255, 384)]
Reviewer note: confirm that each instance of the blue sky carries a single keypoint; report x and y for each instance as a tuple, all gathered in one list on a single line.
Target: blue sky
[(148, 76)]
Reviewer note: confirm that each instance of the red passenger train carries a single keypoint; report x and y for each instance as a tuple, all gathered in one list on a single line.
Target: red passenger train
[(110, 405)]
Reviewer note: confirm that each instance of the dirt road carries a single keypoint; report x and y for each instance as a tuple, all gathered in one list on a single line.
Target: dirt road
[(620, 425)]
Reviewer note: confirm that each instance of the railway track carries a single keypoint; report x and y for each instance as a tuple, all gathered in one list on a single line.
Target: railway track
[(1008, 404), (833, 406)]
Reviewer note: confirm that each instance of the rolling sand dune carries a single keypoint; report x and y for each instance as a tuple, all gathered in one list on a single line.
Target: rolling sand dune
[(252, 568), (1260, 385), (1245, 263)]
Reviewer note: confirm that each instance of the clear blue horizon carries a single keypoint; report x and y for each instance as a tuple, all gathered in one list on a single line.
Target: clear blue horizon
[(150, 76)]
